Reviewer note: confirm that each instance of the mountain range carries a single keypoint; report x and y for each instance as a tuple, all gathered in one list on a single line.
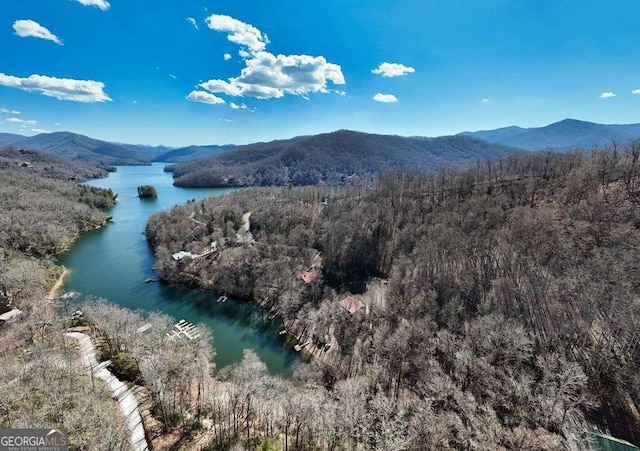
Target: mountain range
[(78, 148), (563, 135), (331, 158), (75, 147), (191, 153), (324, 157)]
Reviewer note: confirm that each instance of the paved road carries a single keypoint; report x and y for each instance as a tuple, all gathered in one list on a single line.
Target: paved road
[(126, 399)]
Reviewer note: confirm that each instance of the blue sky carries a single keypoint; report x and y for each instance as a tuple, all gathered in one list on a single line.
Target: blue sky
[(214, 72)]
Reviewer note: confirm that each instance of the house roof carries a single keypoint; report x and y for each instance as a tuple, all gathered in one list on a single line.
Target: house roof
[(308, 276), (10, 314), (352, 303), (180, 255)]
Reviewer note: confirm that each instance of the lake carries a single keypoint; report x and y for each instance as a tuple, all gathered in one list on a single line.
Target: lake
[(114, 262)]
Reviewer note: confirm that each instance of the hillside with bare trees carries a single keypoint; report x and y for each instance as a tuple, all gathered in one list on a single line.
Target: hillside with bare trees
[(495, 306), (42, 210)]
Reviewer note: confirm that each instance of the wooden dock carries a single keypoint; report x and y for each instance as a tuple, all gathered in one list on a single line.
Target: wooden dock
[(184, 329), (299, 347)]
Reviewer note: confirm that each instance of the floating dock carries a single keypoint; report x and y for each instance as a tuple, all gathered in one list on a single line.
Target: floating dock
[(184, 329)]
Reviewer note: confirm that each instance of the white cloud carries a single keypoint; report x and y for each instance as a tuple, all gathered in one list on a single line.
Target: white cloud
[(86, 91), (235, 106), (635, 92), (239, 32), (5, 111), (39, 130), (15, 120), (265, 75), (205, 97), (57, 124), (607, 95), (193, 22), (485, 100), (227, 56), (102, 4), (268, 76), (30, 28), (222, 87), (173, 76), (385, 98), (393, 70)]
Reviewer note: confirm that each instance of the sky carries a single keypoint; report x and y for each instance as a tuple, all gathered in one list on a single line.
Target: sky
[(218, 72)]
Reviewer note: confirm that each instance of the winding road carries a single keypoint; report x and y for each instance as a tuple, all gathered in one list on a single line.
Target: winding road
[(126, 399)]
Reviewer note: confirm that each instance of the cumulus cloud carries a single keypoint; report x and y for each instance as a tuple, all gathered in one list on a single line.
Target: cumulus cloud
[(193, 22), (269, 76), (635, 92), (485, 100), (86, 91), (5, 111), (238, 32), (607, 95), (393, 70), (15, 120), (205, 97), (227, 56), (265, 75), (30, 28), (235, 106), (39, 130), (385, 98), (102, 4)]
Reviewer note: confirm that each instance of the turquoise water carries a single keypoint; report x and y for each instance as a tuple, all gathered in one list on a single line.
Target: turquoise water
[(114, 262)]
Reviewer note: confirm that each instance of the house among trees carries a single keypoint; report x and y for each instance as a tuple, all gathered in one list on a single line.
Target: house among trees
[(180, 255), (352, 303), (10, 315), (308, 276)]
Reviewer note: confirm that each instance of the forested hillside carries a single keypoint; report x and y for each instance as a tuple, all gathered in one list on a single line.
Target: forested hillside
[(42, 210), (332, 158), (488, 308), (75, 147), (190, 153), (34, 162)]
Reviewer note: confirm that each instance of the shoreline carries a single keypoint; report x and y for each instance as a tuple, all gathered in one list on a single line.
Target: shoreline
[(58, 284)]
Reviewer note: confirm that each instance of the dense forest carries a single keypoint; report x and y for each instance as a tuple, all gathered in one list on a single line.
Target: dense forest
[(331, 158), (42, 210), (493, 307)]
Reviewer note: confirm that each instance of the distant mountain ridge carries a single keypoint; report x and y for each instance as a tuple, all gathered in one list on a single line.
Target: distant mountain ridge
[(80, 148), (563, 135), (331, 158), (191, 152), (8, 138)]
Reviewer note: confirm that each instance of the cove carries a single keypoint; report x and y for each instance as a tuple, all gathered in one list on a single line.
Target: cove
[(114, 262)]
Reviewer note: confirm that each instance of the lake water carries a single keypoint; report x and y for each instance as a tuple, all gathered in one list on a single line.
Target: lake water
[(114, 262)]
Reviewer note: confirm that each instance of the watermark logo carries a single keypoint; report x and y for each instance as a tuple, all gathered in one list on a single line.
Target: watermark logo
[(33, 440)]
